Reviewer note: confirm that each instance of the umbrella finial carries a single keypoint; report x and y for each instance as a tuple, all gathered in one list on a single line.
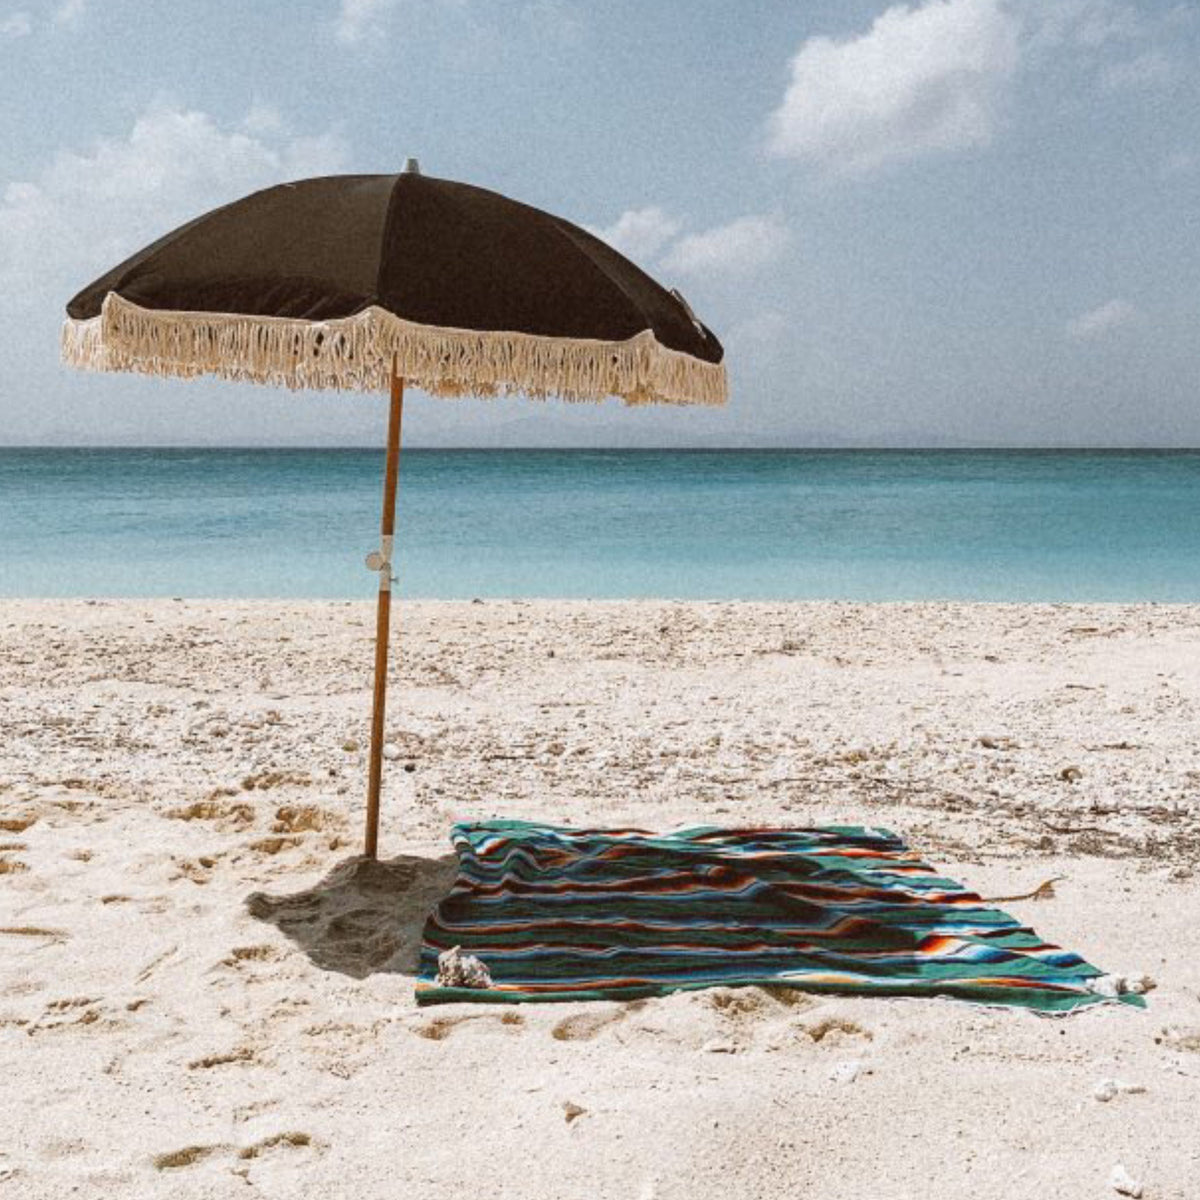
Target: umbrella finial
[(411, 167)]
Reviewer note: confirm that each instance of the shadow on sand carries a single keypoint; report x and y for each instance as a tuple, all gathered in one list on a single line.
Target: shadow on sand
[(364, 916)]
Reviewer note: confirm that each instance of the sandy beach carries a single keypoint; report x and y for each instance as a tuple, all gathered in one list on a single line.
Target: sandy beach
[(204, 993)]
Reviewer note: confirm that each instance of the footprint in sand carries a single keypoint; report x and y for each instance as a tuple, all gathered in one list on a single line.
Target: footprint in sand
[(1180, 1038), (266, 780), (745, 1016), (438, 1029), (145, 904), (273, 845), (73, 1012), (255, 1108), (583, 1026), (279, 1141), (69, 1003), (302, 818), (221, 813), (34, 931), (341, 1048), (251, 954), (252, 965), (198, 870), (755, 1003), (241, 1054), (189, 1156), (834, 1031)]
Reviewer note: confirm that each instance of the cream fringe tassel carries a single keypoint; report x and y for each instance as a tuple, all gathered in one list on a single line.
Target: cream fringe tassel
[(356, 353)]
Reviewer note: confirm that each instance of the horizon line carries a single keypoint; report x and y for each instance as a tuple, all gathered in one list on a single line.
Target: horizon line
[(722, 449)]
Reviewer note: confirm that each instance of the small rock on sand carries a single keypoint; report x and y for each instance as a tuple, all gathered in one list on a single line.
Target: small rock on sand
[(1124, 1183), (845, 1072)]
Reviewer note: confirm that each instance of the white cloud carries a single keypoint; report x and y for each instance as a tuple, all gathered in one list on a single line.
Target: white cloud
[(1088, 23), (15, 25), (920, 80), (1148, 70), (263, 120), (640, 233), (69, 12), (739, 247), (19, 24), (358, 18), (1100, 321), (1126, 47), (89, 209), (654, 237)]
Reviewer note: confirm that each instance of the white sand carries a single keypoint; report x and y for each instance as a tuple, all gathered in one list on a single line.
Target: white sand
[(161, 762)]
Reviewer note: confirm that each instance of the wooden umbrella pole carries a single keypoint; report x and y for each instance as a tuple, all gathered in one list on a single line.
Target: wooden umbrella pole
[(383, 612)]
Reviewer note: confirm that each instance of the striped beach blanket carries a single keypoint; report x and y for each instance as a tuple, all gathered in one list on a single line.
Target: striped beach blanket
[(582, 914)]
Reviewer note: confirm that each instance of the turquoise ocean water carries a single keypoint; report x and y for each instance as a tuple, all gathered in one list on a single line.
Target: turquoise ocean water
[(867, 525)]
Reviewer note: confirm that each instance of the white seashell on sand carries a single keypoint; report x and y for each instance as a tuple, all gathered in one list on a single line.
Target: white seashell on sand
[(456, 969)]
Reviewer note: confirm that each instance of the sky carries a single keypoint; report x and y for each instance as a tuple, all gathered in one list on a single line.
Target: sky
[(957, 222)]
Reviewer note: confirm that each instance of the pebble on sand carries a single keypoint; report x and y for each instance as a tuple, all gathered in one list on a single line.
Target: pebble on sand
[(1109, 1089), (845, 1072), (1124, 1183)]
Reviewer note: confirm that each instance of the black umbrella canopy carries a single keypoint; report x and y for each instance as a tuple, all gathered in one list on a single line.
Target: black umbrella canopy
[(326, 283)]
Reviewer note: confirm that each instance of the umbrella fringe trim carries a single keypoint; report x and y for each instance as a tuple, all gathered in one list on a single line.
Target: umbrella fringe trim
[(356, 353)]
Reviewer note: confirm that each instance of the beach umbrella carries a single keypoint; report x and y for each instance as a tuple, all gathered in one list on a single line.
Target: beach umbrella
[(369, 282)]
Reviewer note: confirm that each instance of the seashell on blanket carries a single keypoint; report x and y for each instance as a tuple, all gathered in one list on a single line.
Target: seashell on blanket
[(456, 969)]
